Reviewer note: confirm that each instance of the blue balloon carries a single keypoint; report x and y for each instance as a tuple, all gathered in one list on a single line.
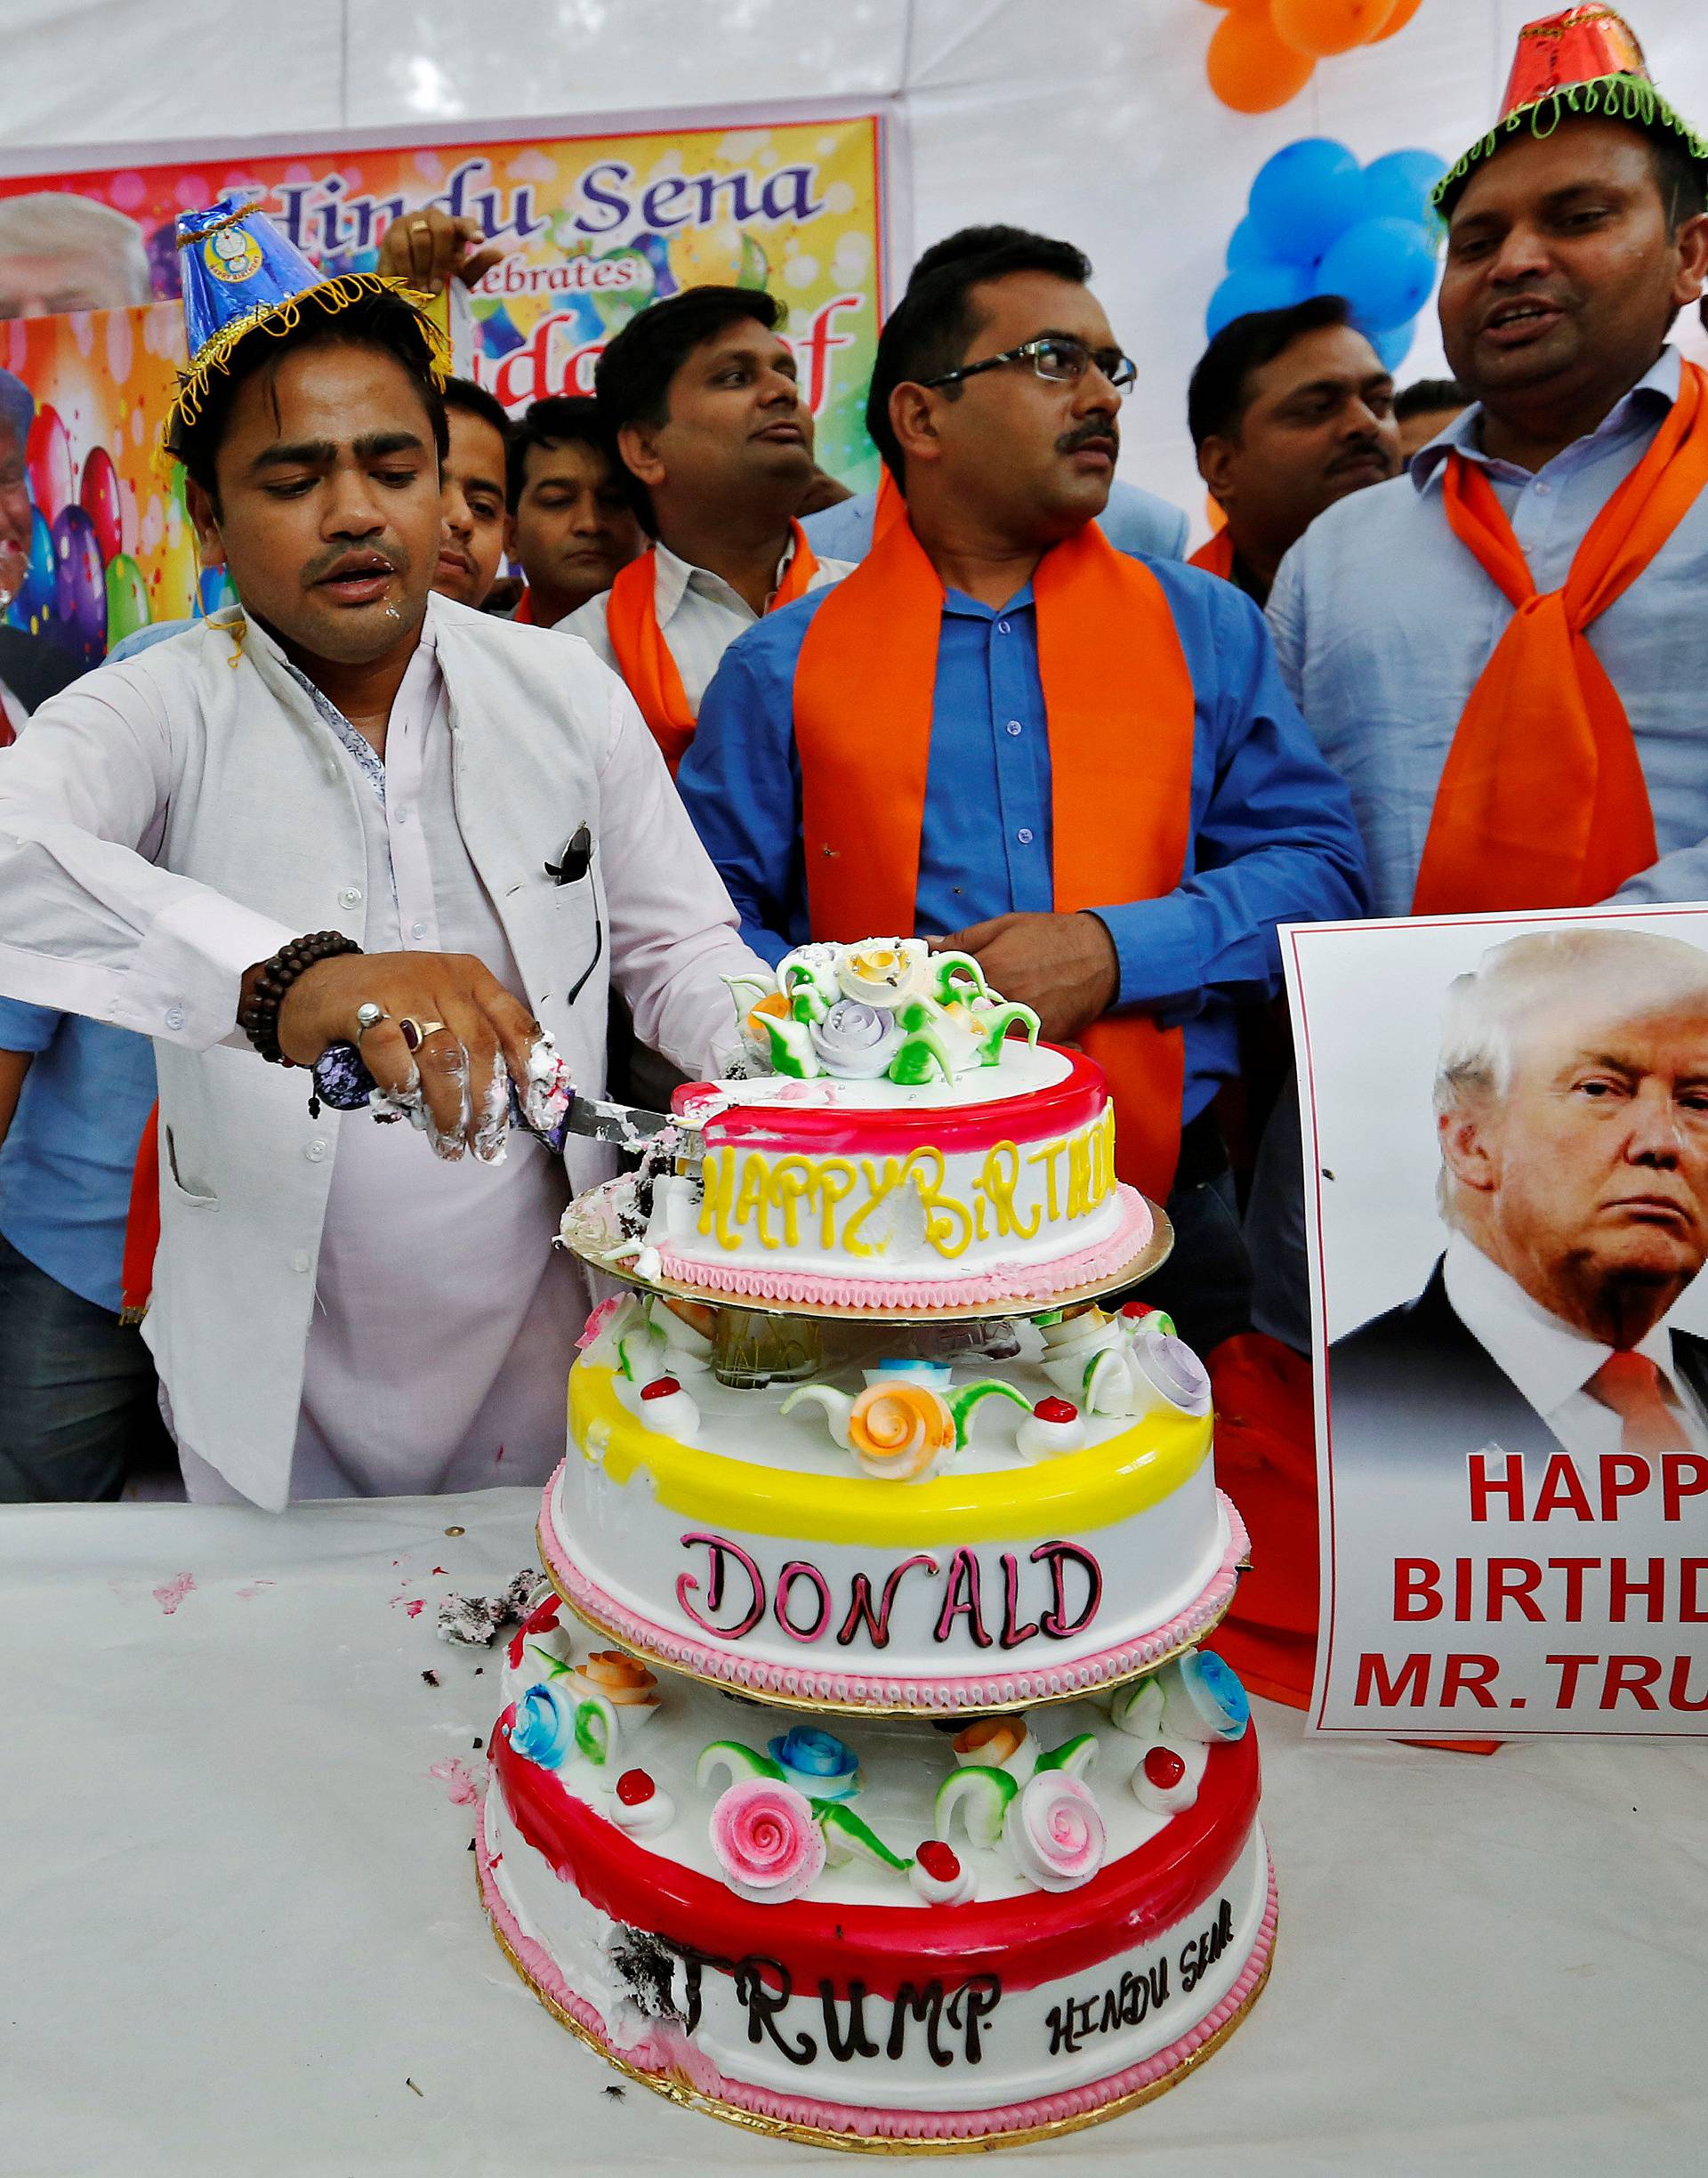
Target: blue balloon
[(1385, 268), (35, 597), (1246, 247), (1394, 345), (1398, 184), (1255, 287), (1304, 196)]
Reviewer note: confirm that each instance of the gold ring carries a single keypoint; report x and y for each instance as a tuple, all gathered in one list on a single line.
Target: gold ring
[(418, 226), (415, 1033)]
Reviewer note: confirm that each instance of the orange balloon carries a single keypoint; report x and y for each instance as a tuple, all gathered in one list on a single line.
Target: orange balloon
[(1404, 11), (1317, 27), (1250, 69)]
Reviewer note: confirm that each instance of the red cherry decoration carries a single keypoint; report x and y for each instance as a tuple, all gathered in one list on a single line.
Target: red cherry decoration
[(634, 1788), (1137, 1308), (661, 1387), (1056, 1410), (937, 1860), (1164, 1767)]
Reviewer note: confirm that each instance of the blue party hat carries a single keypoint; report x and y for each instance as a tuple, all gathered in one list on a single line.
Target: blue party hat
[(241, 275)]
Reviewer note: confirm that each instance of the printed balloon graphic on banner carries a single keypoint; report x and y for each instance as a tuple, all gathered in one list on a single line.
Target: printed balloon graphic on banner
[(79, 586), (1263, 52), (47, 464), (35, 600), (127, 599), (1317, 223), (99, 497)]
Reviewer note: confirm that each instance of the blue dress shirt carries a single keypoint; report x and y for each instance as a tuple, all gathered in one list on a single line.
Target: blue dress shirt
[(65, 1165), (1135, 520), (1271, 836), (1383, 620)]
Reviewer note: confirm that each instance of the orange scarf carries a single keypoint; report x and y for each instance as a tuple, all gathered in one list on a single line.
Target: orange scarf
[(1121, 769), (1216, 557), (643, 656), (1542, 801)]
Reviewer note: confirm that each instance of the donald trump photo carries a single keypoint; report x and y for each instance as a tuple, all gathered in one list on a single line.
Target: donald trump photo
[(1571, 1101)]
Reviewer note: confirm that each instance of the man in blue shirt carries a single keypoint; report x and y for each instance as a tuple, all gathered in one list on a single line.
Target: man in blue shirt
[(994, 402), (1133, 519), (77, 1406)]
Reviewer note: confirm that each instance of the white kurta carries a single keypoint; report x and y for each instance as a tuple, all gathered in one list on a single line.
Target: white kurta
[(336, 1310)]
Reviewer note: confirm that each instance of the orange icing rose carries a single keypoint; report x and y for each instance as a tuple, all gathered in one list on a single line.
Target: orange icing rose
[(993, 1740), (777, 1006), (625, 1684), (897, 1430)]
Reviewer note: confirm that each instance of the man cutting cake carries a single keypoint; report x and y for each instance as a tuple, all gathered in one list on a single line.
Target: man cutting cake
[(349, 811), (1080, 766)]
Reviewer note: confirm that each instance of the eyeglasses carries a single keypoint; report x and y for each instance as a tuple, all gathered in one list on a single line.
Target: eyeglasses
[(1055, 356)]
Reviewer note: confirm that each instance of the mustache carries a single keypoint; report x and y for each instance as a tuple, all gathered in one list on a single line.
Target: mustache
[(1093, 430), (394, 556)]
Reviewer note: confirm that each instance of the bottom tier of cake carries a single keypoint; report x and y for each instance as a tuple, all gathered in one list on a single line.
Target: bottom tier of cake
[(1026, 1927)]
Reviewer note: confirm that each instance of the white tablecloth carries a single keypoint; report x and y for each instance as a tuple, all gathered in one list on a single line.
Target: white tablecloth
[(237, 1915)]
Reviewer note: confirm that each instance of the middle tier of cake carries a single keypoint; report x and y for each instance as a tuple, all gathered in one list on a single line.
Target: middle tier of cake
[(902, 1533)]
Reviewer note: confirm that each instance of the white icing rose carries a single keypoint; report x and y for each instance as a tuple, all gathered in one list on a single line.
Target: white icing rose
[(856, 1041), (884, 970), (1054, 1832)]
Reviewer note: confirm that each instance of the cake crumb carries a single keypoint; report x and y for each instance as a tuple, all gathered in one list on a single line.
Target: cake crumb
[(429, 1678), (411, 2085)]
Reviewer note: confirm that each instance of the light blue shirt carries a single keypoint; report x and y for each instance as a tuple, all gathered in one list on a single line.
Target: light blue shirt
[(1383, 622), (1271, 837), (146, 638), (65, 1169), (1135, 520)]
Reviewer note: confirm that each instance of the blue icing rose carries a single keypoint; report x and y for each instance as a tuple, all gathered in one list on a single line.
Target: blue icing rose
[(816, 1762), (1218, 1692), (545, 1730)]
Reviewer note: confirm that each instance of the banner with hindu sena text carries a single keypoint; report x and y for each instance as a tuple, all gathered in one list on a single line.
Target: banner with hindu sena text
[(597, 226), (1506, 1195)]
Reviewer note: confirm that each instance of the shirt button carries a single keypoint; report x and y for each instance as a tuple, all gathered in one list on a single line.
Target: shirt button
[(174, 1017), (1024, 836), (1002, 627), (1013, 727), (302, 1260), (403, 816), (315, 1150), (350, 897), (418, 930)]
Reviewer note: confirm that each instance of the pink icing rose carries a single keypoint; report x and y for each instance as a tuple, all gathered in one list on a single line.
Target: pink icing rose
[(1055, 1831), (768, 1844), (598, 1321)]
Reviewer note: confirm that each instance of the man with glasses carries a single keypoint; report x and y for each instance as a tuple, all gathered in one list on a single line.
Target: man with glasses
[(1079, 766)]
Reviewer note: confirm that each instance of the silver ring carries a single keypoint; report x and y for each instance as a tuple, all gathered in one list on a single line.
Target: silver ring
[(367, 1016)]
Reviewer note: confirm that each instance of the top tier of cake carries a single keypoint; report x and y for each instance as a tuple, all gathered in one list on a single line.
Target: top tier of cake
[(903, 1142)]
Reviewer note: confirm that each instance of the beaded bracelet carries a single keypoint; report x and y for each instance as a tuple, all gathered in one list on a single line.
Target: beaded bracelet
[(259, 1018)]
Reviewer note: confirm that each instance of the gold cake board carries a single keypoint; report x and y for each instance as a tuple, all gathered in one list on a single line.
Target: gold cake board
[(824, 1704), (674, 2088), (580, 1233)]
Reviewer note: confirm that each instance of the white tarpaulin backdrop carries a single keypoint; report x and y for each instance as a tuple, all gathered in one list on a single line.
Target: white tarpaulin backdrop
[(1094, 121)]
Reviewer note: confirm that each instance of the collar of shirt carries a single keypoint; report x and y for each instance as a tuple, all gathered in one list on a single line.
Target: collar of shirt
[(674, 578), (1636, 413), (416, 699), (1546, 1358), (965, 608)]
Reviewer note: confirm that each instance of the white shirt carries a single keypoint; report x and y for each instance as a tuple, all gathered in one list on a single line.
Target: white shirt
[(1550, 1362), (334, 1310), (699, 615)]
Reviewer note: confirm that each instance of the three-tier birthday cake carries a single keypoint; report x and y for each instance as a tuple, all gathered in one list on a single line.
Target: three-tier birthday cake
[(862, 1449)]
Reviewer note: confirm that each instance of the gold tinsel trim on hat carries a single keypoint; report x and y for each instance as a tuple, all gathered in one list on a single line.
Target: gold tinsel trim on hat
[(278, 318), (1615, 97)]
